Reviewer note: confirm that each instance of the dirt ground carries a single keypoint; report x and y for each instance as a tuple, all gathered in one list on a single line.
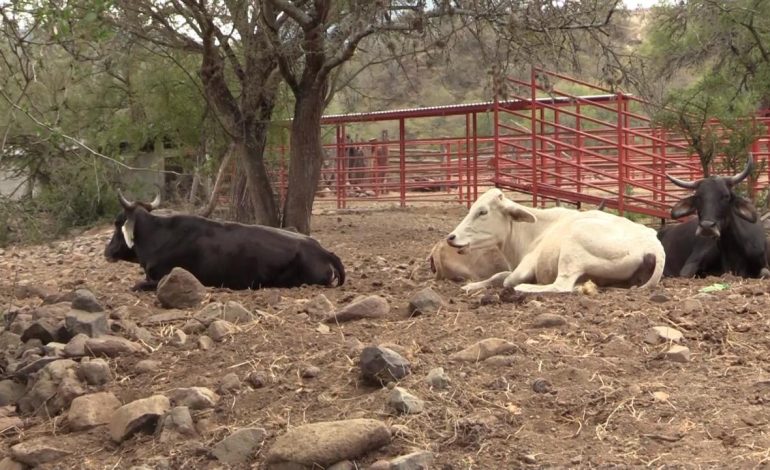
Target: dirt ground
[(613, 399)]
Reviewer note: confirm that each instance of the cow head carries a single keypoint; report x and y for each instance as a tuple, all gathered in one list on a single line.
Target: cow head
[(488, 222), (121, 245), (714, 201)]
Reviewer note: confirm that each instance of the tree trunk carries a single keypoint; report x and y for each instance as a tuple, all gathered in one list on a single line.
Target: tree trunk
[(250, 151), (305, 159), (214, 197)]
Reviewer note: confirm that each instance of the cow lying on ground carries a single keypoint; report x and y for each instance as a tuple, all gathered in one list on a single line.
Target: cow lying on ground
[(726, 236), (550, 250), (459, 265), (219, 254)]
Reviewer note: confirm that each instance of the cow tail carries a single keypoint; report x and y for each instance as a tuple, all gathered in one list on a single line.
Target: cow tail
[(339, 269), (660, 262)]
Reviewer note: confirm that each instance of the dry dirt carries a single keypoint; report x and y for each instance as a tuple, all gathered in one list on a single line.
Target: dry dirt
[(614, 399)]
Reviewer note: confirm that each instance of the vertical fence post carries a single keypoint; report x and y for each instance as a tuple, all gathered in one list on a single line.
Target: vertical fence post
[(579, 145), (533, 116), (496, 142), (338, 164), (459, 171), (621, 153), (663, 164), (447, 159), (402, 160), (475, 159)]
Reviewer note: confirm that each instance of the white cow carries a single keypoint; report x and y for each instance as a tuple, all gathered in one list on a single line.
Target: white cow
[(550, 250), (448, 262)]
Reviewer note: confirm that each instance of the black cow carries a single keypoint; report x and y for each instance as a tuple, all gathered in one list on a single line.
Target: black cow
[(219, 254), (724, 237)]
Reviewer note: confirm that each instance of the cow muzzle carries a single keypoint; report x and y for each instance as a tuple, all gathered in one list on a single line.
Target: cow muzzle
[(708, 229), (453, 241)]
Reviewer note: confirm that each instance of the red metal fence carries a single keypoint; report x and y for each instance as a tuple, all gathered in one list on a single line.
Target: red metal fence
[(544, 142)]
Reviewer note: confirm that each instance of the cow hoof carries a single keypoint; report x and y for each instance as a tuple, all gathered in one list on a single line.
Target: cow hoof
[(473, 287)]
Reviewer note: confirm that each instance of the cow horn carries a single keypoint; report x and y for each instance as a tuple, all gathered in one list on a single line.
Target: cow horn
[(733, 180), (683, 183), (125, 202), (155, 203)]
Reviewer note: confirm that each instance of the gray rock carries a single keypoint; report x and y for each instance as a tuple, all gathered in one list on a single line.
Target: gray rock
[(35, 364), (193, 327), (166, 317), (437, 379), (146, 365), (319, 307), (139, 415), (9, 341), (85, 300), (239, 447), (180, 289), (230, 383), (95, 372), (381, 365), (54, 349), (37, 451), (677, 353), (10, 392), (691, 306), (425, 301), (220, 329), (236, 313), (483, 349), (372, 306), (659, 334), (659, 297), (176, 424), (205, 343), (95, 409), (310, 372), (326, 443), (404, 402), (256, 379), (420, 460), (178, 338), (53, 391), (379, 465), (548, 320), (10, 464), (196, 398), (111, 346), (76, 347), (46, 330), (89, 324)]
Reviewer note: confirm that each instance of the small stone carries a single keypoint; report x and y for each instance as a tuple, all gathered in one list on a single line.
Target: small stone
[(420, 460), (88, 411), (548, 320), (489, 298), (677, 353), (95, 372), (46, 330), (220, 329), (230, 383), (196, 398), (76, 347), (256, 379), (86, 301), (146, 365), (437, 378), (691, 306), (379, 465), (372, 306), (659, 298), (139, 415), (319, 307), (180, 289), (381, 365), (193, 327), (111, 346), (162, 318), (38, 451), (529, 459), (541, 386), (404, 402), (310, 372), (326, 443), (425, 301), (177, 423), (239, 447), (205, 343), (500, 361), (483, 349), (178, 338), (89, 324), (658, 334), (344, 465), (236, 313), (10, 392), (10, 464), (54, 349)]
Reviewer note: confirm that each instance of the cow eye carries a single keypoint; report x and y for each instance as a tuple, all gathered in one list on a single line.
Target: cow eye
[(482, 212)]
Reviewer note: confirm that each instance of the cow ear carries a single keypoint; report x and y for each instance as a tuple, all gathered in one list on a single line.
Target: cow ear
[(520, 214), (745, 209), (683, 208)]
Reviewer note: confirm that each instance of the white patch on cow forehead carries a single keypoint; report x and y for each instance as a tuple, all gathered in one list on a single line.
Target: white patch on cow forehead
[(128, 232)]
